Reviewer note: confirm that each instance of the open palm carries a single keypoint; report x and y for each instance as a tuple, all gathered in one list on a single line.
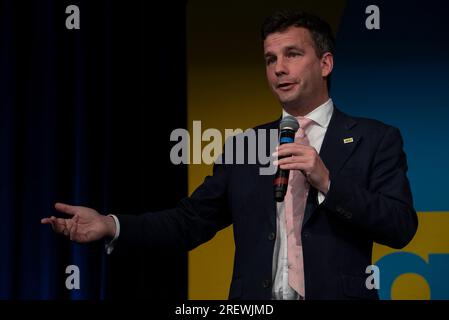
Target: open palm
[(85, 225)]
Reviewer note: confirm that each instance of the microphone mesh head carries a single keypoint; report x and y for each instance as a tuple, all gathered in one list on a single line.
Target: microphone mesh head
[(289, 122)]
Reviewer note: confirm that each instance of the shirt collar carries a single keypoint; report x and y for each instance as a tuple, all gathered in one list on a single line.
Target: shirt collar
[(320, 115)]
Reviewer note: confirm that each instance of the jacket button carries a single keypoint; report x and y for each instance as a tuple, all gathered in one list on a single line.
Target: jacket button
[(266, 283), (348, 215), (340, 209), (305, 235), (271, 236)]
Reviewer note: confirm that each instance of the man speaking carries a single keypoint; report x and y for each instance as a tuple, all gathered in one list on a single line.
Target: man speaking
[(346, 188)]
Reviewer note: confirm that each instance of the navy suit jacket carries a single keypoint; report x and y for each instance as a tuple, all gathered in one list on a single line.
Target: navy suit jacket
[(369, 201)]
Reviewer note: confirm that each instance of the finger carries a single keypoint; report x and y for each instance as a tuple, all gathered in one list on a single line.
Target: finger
[(62, 207), (73, 228), (52, 221), (287, 145), (290, 160), (46, 221), (292, 149), (59, 225), (293, 166), (69, 226), (66, 228)]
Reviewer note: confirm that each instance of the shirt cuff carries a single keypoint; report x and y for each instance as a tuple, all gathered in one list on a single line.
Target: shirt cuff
[(109, 246), (322, 196)]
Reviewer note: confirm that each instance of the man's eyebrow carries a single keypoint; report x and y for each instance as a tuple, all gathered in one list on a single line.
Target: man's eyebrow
[(287, 48), (292, 47)]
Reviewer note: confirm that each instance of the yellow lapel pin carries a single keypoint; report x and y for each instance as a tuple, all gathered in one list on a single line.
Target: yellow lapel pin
[(348, 140)]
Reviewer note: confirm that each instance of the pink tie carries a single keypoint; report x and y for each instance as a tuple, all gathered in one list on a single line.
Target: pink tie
[(295, 201)]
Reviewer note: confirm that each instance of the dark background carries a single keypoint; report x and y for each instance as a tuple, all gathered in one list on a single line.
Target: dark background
[(85, 118)]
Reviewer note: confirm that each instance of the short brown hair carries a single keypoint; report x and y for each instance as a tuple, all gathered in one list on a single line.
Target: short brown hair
[(319, 29)]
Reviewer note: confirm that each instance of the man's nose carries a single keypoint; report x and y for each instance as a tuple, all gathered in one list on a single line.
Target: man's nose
[(280, 68)]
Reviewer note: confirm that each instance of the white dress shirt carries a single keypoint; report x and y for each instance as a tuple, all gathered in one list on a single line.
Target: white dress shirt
[(315, 133)]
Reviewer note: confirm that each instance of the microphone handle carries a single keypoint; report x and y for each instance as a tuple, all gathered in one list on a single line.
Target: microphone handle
[(280, 184), (281, 178)]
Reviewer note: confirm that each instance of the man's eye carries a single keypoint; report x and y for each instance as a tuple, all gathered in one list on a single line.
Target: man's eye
[(270, 60), (293, 54)]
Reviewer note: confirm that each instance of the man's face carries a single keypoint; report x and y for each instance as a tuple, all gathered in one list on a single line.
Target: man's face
[(294, 72)]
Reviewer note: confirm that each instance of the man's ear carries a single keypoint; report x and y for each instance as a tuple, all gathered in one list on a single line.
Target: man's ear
[(327, 64)]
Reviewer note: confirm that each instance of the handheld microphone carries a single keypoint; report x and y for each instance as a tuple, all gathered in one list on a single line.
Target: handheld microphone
[(288, 127)]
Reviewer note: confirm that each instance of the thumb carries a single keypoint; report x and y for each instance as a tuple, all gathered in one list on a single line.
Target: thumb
[(62, 207)]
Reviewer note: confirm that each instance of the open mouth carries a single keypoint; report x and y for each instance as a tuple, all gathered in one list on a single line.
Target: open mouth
[(286, 85)]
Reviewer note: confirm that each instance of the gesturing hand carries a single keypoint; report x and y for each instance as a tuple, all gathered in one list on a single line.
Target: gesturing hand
[(85, 225)]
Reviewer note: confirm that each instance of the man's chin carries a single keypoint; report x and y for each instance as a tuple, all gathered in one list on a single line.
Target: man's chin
[(287, 100)]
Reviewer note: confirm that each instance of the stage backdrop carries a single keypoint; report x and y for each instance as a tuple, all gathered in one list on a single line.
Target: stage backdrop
[(85, 118), (397, 74)]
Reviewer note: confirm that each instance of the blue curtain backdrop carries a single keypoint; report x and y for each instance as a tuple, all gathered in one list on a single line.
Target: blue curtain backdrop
[(85, 116)]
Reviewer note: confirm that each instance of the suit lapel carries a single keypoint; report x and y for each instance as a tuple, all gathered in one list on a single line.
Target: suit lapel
[(339, 142)]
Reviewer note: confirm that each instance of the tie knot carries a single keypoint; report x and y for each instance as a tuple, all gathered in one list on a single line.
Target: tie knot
[(304, 122), (301, 133)]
